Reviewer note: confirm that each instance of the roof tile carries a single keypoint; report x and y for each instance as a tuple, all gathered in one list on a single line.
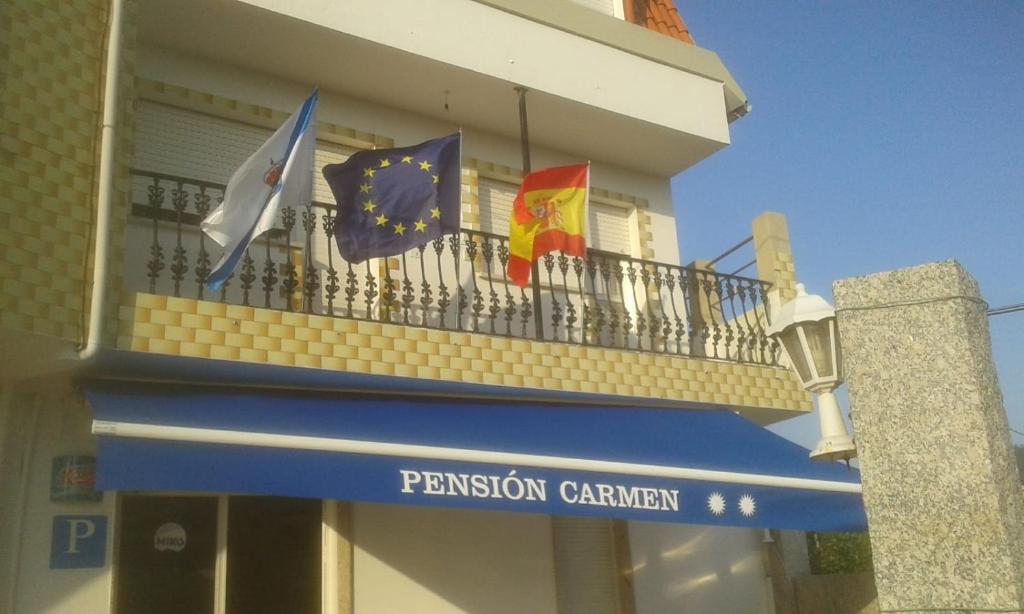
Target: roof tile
[(658, 15)]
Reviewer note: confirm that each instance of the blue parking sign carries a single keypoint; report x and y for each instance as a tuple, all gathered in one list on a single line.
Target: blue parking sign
[(78, 542)]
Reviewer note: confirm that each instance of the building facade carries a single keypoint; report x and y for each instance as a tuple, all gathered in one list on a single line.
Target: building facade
[(199, 86)]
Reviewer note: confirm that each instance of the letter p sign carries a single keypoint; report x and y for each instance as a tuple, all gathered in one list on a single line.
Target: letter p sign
[(78, 542), (79, 528)]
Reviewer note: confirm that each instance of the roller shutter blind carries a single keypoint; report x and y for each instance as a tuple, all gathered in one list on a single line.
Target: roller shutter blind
[(198, 146), (609, 228), (192, 145), (585, 566), (495, 205)]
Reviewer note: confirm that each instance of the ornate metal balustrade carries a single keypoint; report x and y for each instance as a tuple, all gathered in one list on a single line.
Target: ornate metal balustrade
[(456, 282)]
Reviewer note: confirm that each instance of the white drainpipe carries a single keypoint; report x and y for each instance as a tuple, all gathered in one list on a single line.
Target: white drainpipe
[(105, 191)]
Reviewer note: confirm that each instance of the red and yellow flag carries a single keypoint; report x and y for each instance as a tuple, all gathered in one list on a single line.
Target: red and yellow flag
[(548, 214)]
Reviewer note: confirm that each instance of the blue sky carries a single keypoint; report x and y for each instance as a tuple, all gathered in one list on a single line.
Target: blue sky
[(890, 135)]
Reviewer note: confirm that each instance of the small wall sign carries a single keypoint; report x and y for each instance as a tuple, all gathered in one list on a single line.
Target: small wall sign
[(78, 542), (170, 536), (73, 478)]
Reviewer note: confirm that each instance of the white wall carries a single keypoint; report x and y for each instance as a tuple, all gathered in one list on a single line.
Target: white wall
[(602, 6), (60, 421), (437, 561), (691, 568)]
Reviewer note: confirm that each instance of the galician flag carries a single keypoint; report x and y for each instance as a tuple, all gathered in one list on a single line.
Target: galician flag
[(548, 214), (280, 172)]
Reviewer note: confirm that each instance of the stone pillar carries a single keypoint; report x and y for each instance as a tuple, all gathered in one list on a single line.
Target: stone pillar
[(941, 489), (774, 254), (337, 543), (705, 307)]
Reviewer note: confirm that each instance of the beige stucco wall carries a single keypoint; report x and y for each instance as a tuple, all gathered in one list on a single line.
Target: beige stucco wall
[(438, 561)]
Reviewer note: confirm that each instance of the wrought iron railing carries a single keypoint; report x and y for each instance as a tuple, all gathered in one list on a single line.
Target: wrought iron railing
[(455, 282)]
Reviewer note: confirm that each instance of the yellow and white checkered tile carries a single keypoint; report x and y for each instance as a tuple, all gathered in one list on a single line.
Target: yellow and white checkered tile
[(50, 101), (212, 330)]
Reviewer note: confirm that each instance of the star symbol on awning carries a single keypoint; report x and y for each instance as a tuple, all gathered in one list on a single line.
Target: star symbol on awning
[(716, 503), (747, 505)]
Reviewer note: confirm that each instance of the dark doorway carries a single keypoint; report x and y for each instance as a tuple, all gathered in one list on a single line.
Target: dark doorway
[(273, 555)]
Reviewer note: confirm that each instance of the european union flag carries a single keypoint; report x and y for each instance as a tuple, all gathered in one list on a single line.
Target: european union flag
[(392, 200)]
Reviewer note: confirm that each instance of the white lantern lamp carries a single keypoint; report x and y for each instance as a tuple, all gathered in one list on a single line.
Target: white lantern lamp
[(805, 328)]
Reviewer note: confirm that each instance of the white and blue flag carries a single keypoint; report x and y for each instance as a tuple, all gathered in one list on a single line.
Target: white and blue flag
[(280, 172)]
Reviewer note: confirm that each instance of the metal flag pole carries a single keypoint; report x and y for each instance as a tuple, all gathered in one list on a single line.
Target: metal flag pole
[(524, 139), (458, 242), (524, 129)]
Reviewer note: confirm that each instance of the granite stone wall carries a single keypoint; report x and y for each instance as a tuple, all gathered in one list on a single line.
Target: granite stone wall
[(941, 488)]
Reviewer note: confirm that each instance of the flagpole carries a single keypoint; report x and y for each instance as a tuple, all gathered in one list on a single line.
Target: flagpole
[(524, 141), (524, 129), (458, 236)]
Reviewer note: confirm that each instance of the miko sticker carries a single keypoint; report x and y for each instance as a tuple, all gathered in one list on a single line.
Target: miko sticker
[(170, 536)]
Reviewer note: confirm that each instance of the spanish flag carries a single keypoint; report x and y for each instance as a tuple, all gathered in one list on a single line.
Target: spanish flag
[(548, 214)]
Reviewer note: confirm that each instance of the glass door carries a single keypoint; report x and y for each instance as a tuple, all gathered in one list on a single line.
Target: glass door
[(166, 555)]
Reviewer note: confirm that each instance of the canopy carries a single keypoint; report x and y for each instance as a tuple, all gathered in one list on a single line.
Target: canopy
[(691, 466)]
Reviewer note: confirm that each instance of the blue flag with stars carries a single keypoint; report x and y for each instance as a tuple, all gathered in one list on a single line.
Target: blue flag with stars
[(392, 200)]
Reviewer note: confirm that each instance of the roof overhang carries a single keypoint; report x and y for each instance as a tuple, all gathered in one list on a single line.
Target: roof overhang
[(633, 39)]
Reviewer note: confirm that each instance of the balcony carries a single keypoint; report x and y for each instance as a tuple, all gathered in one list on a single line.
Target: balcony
[(454, 283)]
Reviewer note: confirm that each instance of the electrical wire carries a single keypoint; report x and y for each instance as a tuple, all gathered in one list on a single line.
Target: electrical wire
[(995, 311), (998, 311), (923, 301)]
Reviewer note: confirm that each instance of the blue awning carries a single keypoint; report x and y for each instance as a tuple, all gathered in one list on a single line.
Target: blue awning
[(689, 466)]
